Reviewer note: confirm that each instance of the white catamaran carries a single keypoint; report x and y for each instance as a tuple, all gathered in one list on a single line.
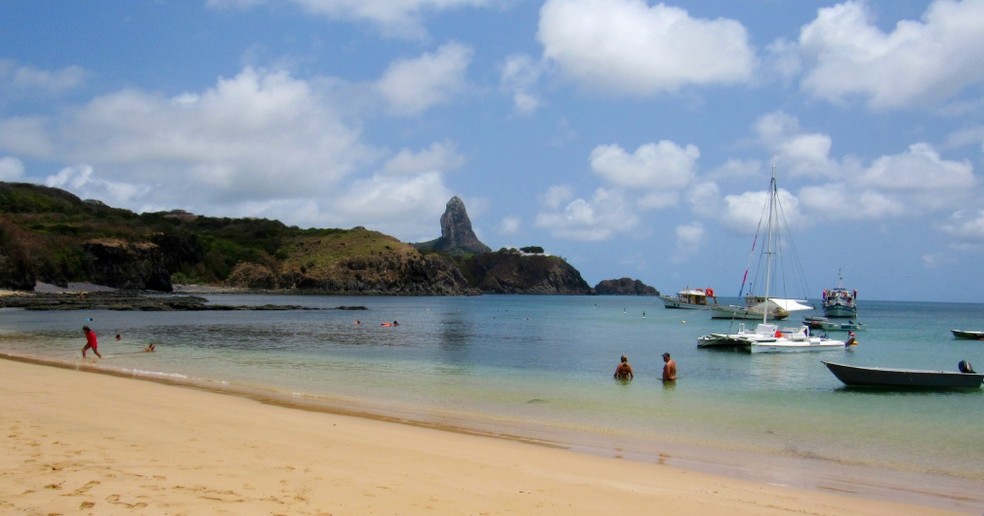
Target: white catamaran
[(769, 337)]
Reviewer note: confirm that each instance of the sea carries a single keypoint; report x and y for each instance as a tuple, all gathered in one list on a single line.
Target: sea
[(539, 369)]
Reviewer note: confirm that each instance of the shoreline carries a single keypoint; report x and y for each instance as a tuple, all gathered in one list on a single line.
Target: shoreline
[(647, 478)]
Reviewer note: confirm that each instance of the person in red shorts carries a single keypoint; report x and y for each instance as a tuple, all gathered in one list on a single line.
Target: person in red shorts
[(91, 342)]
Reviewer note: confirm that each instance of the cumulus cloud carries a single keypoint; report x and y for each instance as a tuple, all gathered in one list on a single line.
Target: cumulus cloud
[(966, 226), (510, 225), (259, 144), (519, 77), (743, 213), (26, 80), (928, 61), (11, 169), (653, 166), (599, 218), (402, 18), (412, 86), (921, 177), (799, 153), (629, 46)]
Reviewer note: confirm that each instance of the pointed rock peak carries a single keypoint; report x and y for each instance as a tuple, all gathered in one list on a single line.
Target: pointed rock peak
[(457, 236)]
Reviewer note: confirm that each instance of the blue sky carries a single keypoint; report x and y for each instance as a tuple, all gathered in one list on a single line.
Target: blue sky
[(631, 138)]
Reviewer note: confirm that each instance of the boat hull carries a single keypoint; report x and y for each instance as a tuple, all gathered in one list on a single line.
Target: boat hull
[(840, 311), (783, 345), (856, 376), (968, 334)]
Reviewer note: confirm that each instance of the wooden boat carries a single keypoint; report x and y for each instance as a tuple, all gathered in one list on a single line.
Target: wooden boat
[(857, 376), (968, 334)]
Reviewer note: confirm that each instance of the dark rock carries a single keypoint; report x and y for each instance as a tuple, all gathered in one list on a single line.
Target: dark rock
[(125, 265), (509, 271), (457, 236), (624, 287)]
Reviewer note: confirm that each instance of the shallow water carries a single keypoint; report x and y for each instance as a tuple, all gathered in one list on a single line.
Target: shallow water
[(539, 368)]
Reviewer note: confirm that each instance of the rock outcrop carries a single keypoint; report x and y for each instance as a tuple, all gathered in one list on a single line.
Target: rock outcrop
[(129, 266), (624, 287), (509, 271), (457, 236)]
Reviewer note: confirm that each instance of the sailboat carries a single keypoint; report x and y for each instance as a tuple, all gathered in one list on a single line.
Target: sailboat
[(840, 302), (769, 337)]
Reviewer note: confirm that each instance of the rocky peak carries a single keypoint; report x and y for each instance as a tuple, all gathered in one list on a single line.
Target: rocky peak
[(457, 236)]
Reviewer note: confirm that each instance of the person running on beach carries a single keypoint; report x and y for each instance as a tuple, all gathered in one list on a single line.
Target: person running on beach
[(669, 368), (624, 371), (91, 342)]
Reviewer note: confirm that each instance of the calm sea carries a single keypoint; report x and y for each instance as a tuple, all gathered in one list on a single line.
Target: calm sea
[(540, 368)]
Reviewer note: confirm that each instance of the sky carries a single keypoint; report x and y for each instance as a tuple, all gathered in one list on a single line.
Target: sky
[(632, 138)]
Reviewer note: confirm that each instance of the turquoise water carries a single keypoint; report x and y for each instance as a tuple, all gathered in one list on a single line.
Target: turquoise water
[(540, 368)]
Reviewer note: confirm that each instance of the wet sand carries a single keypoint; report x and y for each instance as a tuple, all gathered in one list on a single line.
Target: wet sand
[(82, 442)]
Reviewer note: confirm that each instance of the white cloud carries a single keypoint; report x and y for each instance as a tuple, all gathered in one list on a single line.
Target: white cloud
[(797, 153), (921, 177), (745, 212), (395, 18), (27, 80), (440, 156), (629, 46), (395, 205), (919, 62), (653, 166), (606, 214), (11, 169), (520, 75), (412, 86), (81, 179), (966, 225), (705, 199)]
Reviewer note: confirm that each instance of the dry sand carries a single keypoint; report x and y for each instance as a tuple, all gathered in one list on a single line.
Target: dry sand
[(82, 443)]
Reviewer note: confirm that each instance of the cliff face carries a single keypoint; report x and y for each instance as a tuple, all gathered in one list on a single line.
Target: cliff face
[(457, 236), (127, 266), (512, 272)]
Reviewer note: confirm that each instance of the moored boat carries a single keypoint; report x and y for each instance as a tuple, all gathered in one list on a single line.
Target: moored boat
[(690, 298), (968, 334), (839, 301), (857, 376)]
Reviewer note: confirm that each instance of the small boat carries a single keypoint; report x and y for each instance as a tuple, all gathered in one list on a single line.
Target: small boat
[(857, 376), (822, 323), (968, 334), (839, 301), (689, 298)]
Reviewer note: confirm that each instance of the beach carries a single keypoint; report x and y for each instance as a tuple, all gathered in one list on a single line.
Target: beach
[(79, 442)]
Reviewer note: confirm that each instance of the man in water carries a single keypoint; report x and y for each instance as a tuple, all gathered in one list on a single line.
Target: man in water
[(91, 342), (669, 368), (624, 370)]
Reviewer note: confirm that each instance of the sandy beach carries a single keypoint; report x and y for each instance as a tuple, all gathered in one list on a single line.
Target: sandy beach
[(78, 442)]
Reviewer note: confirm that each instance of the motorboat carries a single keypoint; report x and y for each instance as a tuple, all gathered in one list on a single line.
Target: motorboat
[(839, 301), (968, 334), (690, 298), (822, 323), (857, 376)]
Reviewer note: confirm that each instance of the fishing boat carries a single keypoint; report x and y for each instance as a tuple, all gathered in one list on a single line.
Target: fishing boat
[(689, 298), (857, 376), (768, 337), (839, 301), (968, 334)]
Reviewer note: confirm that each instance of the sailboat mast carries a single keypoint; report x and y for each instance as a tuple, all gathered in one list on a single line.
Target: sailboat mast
[(773, 192)]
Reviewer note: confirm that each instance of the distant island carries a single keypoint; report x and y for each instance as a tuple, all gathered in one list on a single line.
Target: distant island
[(50, 236)]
